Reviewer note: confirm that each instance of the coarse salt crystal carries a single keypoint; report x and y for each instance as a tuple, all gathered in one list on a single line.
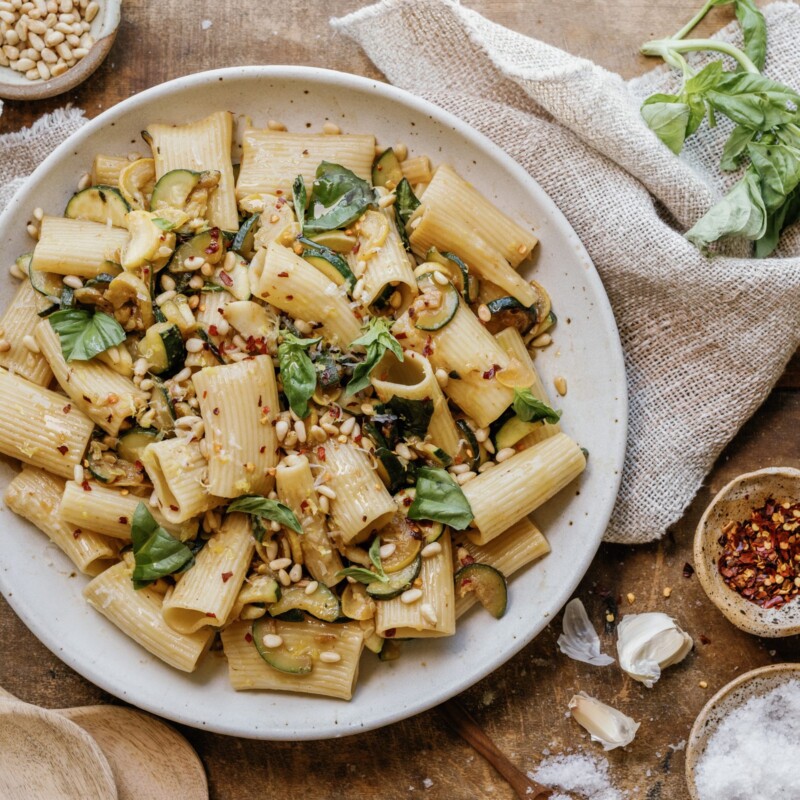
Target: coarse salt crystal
[(206, 24)]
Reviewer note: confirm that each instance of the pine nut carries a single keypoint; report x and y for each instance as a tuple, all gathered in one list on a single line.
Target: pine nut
[(542, 341), (91, 11), (296, 572), (432, 549), (346, 428), (483, 313), (387, 549), (283, 577), (464, 477), (560, 383), (428, 613), (280, 563), (5, 345), (326, 491), (312, 587), (300, 430), (281, 429), (195, 345), (505, 454), (272, 641), (78, 474), (182, 376), (410, 596), (331, 129), (329, 657), (442, 378)]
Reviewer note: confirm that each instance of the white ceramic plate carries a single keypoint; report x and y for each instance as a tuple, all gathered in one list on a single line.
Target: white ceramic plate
[(40, 583)]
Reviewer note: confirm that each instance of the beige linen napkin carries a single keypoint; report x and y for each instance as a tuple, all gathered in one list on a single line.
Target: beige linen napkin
[(704, 339)]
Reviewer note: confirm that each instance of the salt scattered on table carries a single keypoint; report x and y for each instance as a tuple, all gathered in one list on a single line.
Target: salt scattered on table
[(580, 773), (755, 750), (206, 24)]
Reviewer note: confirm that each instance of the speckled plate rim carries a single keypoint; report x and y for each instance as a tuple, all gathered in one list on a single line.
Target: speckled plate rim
[(745, 615), (575, 520), (698, 737)]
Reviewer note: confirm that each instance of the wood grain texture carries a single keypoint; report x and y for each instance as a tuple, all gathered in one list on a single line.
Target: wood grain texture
[(522, 706)]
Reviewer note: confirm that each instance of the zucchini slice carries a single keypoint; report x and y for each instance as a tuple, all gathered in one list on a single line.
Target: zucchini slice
[(99, 204), (398, 582), (338, 241), (172, 189), (407, 543), (133, 442), (322, 603), (457, 271), (162, 404), (207, 245), (508, 312), (436, 305), (244, 241), (489, 585), (279, 658), (329, 262), (427, 530), (513, 430), (163, 348), (136, 182), (107, 468), (386, 170), (47, 283)]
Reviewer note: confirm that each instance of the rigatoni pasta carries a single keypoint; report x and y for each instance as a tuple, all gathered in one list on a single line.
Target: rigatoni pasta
[(302, 418)]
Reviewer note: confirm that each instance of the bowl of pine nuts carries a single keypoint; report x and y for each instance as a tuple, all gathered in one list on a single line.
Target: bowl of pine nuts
[(50, 46)]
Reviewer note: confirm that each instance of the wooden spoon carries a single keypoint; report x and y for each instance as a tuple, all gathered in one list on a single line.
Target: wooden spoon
[(147, 758), (43, 755), (460, 721)]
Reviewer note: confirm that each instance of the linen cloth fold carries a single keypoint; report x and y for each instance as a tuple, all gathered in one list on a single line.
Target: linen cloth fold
[(705, 339)]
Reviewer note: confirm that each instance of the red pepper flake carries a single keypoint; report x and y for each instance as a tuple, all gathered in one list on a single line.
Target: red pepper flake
[(407, 501), (490, 373), (248, 637), (211, 614), (390, 633), (428, 349), (76, 533), (213, 330), (213, 246), (688, 570), (123, 520), (401, 335), (283, 274), (704, 639), (86, 487), (357, 439), (262, 449), (173, 508), (290, 297), (63, 449), (356, 248), (67, 408), (226, 576), (216, 412), (761, 555), (225, 278), (321, 453)]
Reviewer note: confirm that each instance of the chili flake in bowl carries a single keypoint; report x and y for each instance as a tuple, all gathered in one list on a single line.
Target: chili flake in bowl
[(747, 551)]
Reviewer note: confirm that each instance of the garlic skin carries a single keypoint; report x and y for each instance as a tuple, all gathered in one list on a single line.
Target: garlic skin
[(606, 725), (579, 639), (649, 643)]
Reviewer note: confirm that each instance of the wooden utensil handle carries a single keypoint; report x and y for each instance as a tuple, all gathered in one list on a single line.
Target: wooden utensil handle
[(460, 720)]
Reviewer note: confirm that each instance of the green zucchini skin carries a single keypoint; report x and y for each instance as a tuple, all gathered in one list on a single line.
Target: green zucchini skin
[(322, 603), (172, 189), (386, 170), (435, 319), (489, 585), (509, 312), (243, 242), (164, 349), (99, 204), (398, 582), (278, 657), (133, 442)]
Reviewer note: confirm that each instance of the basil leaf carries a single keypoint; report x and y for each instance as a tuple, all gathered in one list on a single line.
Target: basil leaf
[(414, 416), (297, 372), (268, 509), (735, 148), (668, 121), (740, 213), (156, 552), (786, 215), (778, 166), (405, 204), (377, 339), (529, 409), (84, 334), (375, 557), (338, 198), (361, 574), (300, 199), (753, 100), (706, 79), (754, 29), (440, 499)]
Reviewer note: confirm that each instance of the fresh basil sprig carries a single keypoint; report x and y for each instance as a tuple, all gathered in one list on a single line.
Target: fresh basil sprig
[(405, 204), (300, 199), (440, 499), (765, 112), (364, 575), (338, 198), (263, 507), (297, 371), (84, 334), (530, 409), (155, 551), (377, 339)]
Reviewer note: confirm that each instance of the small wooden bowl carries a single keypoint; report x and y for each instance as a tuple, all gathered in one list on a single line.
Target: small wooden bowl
[(735, 502), (15, 86), (752, 684)]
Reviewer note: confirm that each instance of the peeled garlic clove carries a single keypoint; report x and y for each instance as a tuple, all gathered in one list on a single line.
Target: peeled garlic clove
[(606, 725), (648, 643), (579, 639)]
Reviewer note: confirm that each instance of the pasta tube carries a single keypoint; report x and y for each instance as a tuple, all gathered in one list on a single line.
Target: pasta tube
[(19, 321), (78, 247)]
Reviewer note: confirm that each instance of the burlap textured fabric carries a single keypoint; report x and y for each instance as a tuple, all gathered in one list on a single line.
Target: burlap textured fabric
[(704, 339)]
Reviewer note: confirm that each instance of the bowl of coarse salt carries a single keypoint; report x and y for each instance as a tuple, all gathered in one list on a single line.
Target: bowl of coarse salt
[(745, 743), (50, 46)]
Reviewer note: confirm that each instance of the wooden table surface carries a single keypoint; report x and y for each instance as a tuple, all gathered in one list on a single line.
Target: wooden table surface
[(522, 706)]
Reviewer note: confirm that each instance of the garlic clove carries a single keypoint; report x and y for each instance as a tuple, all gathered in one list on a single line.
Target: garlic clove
[(579, 639), (606, 725), (649, 643)]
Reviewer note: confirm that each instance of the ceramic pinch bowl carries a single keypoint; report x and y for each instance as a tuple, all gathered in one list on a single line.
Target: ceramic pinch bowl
[(735, 502), (15, 86), (755, 683)]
